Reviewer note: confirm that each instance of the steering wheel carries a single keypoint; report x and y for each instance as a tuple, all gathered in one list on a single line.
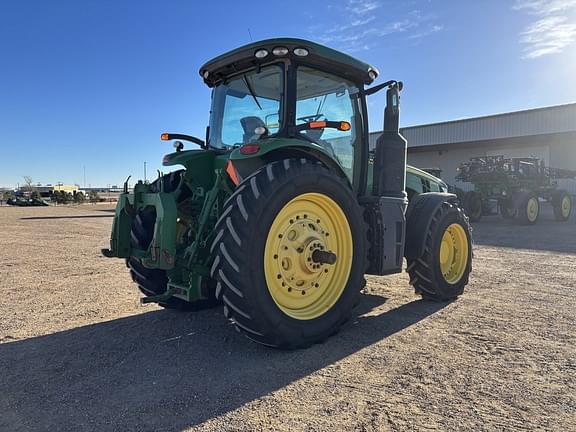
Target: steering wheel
[(310, 118)]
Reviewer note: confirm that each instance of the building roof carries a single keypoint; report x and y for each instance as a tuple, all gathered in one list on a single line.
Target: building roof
[(539, 121)]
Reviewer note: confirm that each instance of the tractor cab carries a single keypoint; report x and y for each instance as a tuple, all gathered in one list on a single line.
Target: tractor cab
[(290, 93)]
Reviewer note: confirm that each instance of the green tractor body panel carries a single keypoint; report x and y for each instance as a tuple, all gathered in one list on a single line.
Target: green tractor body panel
[(162, 250)]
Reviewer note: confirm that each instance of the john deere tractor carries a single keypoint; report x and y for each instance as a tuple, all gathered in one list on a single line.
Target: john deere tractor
[(280, 212)]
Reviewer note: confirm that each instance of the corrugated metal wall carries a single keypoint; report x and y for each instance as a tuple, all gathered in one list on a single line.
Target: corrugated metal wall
[(541, 121)]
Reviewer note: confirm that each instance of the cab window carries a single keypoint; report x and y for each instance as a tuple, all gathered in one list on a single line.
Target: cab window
[(413, 185), (325, 97)]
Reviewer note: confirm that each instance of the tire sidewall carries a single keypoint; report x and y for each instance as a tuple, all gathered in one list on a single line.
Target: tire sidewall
[(313, 181), (445, 289)]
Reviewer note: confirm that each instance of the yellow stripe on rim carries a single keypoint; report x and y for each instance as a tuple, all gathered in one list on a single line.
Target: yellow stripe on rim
[(532, 209), (453, 253), (566, 206), (301, 287)]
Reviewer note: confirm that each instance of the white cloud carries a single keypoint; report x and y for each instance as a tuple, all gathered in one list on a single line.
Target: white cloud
[(365, 24), (552, 32), (544, 7)]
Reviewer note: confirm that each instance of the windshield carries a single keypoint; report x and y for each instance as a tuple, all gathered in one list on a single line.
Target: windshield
[(243, 104)]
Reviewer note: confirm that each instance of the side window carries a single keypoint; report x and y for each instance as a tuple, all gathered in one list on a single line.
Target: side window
[(325, 97), (413, 185), (426, 185), (434, 187)]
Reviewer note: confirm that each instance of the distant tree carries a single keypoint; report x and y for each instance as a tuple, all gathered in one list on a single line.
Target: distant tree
[(7, 195), (79, 197), (28, 182), (93, 196), (56, 196)]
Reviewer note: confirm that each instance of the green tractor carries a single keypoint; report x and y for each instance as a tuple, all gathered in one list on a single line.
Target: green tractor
[(281, 211)]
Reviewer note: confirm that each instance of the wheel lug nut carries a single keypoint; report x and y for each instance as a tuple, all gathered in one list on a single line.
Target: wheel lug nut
[(303, 292)]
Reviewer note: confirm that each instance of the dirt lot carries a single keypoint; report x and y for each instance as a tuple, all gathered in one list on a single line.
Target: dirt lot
[(78, 352)]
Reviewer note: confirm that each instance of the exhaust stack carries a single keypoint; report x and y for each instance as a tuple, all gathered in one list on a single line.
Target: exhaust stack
[(390, 159)]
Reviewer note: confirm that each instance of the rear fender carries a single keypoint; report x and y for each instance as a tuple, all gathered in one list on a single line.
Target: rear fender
[(419, 216), (246, 166)]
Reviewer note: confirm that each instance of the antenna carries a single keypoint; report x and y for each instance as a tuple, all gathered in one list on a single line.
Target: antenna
[(250, 34)]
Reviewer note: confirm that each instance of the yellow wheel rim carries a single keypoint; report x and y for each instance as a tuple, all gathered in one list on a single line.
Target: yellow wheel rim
[(566, 206), (453, 253), (302, 287), (532, 209)]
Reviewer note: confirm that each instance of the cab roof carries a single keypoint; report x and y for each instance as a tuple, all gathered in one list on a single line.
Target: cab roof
[(217, 69)]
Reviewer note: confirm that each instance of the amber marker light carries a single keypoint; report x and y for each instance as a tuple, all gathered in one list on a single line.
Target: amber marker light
[(344, 126), (165, 137), (232, 173)]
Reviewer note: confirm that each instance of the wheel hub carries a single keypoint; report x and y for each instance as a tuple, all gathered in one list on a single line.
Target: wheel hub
[(308, 256), (304, 237)]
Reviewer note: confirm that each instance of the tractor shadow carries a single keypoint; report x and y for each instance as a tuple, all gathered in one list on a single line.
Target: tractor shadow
[(67, 217), (163, 370)]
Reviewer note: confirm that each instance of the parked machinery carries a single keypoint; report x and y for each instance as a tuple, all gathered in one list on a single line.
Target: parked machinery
[(513, 187)]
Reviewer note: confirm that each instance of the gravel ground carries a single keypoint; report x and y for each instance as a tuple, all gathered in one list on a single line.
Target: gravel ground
[(78, 351)]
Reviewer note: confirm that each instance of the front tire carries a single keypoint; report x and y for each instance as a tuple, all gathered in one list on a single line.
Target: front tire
[(443, 269), (273, 243)]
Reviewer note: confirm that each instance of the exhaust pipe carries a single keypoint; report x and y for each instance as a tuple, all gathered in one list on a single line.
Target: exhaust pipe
[(390, 159)]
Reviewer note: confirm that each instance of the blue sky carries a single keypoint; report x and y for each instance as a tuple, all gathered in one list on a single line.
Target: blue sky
[(93, 83)]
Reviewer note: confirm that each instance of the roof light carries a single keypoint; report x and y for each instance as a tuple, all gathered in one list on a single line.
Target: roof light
[(261, 53), (301, 52), (165, 137), (280, 51), (372, 74)]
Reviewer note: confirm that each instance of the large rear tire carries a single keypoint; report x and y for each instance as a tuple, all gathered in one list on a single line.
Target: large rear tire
[(443, 270), (291, 254), (527, 208), (562, 204), (472, 203), (506, 209)]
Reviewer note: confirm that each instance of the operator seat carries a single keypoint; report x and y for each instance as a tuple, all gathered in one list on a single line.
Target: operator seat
[(249, 125)]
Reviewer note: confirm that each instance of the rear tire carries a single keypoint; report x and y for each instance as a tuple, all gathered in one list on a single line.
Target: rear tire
[(278, 298), (472, 203), (443, 270), (527, 208), (562, 204), (506, 209)]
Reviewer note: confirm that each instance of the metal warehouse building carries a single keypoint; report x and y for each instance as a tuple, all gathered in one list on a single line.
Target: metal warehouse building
[(547, 133)]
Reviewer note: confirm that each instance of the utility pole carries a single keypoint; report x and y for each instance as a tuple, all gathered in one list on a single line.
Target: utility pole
[(144, 172)]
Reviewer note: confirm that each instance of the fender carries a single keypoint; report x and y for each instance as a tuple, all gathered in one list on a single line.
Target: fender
[(282, 148), (419, 217)]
